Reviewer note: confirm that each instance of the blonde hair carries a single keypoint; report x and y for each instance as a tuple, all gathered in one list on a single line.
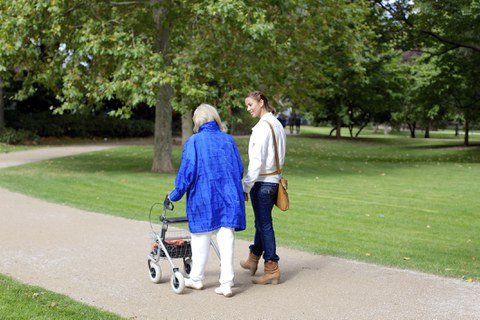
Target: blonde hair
[(206, 113)]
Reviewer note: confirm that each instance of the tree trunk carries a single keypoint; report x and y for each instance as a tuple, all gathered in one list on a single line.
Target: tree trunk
[(466, 141), (362, 127), (351, 125), (412, 126), (187, 126), (339, 127), (331, 131), (350, 130), (427, 131), (162, 149), (2, 106)]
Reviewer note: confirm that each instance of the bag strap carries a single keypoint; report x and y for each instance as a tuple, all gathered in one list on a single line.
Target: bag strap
[(279, 170)]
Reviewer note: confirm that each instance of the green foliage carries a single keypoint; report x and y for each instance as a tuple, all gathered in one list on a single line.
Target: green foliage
[(342, 72), (19, 301), (382, 199), (447, 34), (12, 136), (336, 60), (457, 26), (90, 51), (422, 101)]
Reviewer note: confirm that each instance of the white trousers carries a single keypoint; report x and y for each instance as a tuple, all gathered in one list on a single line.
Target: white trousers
[(200, 248)]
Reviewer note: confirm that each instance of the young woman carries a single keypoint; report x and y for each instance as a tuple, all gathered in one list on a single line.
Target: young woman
[(211, 173), (261, 182)]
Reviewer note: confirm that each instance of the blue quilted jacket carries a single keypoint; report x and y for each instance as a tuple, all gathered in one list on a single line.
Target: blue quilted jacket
[(211, 173)]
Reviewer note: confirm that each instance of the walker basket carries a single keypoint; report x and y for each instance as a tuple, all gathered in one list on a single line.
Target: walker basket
[(177, 249)]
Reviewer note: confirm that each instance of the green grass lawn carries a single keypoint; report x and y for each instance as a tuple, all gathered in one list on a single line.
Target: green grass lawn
[(5, 148), (19, 301), (391, 200)]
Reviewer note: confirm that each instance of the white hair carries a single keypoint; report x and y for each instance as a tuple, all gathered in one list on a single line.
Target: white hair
[(206, 113)]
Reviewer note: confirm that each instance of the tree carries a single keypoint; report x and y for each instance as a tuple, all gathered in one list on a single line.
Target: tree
[(2, 106), (19, 53), (340, 63), (451, 23), (458, 83), (449, 32), (329, 57), (375, 99), (420, 101), (137, 52)]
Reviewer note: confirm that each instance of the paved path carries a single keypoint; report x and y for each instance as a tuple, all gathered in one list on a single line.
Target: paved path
[(101, 260), (18, 158)]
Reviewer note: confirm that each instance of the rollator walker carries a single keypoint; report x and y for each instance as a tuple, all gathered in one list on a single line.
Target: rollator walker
[(169, 244)]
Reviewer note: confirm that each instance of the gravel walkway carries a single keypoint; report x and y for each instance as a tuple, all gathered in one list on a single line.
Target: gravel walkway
[(101, 260)]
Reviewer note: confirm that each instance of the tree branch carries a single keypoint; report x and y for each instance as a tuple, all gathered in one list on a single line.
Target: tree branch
[(400, 16), (73, 8), (453, 43), (125, 3)]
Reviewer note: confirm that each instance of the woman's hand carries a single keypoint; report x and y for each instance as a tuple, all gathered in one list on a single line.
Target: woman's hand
[(245, 196)]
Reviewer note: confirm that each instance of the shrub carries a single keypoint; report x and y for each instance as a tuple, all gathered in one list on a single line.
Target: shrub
[(12, 136), (45, 124)]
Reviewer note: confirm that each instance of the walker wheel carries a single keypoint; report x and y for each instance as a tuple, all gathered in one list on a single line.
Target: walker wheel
[(187, 265), (154, 271), (178, 282)]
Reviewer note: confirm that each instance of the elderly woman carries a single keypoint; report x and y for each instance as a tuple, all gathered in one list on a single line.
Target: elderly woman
[(210, 174)]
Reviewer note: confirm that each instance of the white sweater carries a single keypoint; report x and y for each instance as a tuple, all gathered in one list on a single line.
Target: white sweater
[(261, 152)]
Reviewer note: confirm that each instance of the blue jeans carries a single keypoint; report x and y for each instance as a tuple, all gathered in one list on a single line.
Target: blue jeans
[(263, 195)]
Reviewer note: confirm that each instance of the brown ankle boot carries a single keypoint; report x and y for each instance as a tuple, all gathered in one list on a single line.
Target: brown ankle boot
[(271, 274), (251, 263)]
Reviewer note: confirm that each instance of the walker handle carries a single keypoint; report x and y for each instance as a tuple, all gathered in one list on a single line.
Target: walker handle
[(167, 204)]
